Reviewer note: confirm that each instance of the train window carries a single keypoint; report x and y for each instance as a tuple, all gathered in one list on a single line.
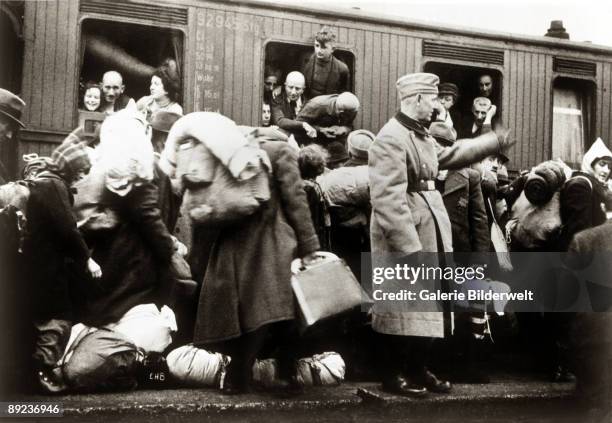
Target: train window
[(284, 57), (572, 119), (467, 79), (130, 49)]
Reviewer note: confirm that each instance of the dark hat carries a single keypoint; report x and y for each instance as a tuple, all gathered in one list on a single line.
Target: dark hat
[(359, 143), (448, 88), (337, 152), (443, 133), (11, 106), (163, 121)]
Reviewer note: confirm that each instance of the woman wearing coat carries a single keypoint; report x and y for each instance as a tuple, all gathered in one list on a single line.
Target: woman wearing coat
[(583, 206), (246, 294), (54, 248), (408, 216), (585, 194), (136, 253)]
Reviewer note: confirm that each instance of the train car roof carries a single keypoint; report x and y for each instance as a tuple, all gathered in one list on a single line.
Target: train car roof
[(377, 18)]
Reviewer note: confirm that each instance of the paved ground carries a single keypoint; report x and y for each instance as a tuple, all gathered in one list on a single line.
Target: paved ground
[(503, 400)]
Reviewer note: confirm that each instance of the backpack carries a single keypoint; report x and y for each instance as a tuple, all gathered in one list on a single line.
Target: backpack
[(213, 195), (533, 226)]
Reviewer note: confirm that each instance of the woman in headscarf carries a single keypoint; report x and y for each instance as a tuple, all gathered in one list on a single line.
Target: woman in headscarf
[(584, 196), (53, 248), (136, 252)]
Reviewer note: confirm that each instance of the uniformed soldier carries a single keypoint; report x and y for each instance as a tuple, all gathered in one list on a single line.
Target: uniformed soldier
[(408, 217)]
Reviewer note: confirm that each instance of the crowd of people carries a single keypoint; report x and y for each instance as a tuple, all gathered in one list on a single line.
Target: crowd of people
[(433, 179)]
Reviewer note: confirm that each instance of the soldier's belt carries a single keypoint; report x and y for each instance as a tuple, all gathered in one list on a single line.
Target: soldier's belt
[(423, 185)]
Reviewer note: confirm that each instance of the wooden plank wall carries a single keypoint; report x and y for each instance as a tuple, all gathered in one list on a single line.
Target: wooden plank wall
[(526, 105), (380, 58), (50, 69)]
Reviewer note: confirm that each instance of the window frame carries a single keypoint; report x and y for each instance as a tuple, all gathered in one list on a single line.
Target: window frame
[(185, 93), (473, 65), (301, 43), (592, 125)]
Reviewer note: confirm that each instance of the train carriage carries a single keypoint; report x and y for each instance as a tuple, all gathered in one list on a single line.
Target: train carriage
[(553, 93)]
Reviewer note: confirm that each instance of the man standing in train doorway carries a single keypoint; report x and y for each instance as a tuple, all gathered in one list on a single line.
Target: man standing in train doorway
[(409, 219), (324, 73)]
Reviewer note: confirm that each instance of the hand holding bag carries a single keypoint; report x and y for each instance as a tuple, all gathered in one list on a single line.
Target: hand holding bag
[(326, 288)]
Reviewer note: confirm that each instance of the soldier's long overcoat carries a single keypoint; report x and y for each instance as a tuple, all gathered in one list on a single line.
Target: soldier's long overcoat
[(403, 220)]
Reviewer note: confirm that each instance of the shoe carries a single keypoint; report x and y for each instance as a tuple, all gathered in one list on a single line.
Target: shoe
[(49, 383), (562, 375), (433, 384), (400, 385)]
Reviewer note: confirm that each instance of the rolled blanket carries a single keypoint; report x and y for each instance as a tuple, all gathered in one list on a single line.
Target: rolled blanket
[(543, 181)]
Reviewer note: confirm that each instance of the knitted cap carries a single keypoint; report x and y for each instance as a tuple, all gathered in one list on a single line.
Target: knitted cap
[(71, 157)]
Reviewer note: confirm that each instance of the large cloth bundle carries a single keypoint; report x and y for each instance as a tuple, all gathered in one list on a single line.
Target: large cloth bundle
[(213, 196), (100, 360), (326, 369), (90, 213), (15, 194), (266, 372), (147, 327), (225, 173), (197, 367), (323, 369), (533, 226), (543, 181), (125, 153), (347, 192), (346, 186)]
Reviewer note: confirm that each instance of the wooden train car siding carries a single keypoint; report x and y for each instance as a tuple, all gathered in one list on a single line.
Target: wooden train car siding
[(224, 60)]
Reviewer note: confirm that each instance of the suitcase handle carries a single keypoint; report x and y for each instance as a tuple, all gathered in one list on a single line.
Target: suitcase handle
[(297, 265)]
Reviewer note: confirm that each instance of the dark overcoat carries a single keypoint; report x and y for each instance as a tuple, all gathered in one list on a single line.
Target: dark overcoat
[(466, 210), (132, 256), (52, 246), (283, 114), (248, 279)]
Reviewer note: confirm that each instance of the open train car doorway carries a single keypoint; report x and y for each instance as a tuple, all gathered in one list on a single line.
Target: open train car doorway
[(467, 80), (284, 57)]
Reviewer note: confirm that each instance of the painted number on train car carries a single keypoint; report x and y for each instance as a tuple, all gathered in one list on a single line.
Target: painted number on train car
[(232, 23)]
